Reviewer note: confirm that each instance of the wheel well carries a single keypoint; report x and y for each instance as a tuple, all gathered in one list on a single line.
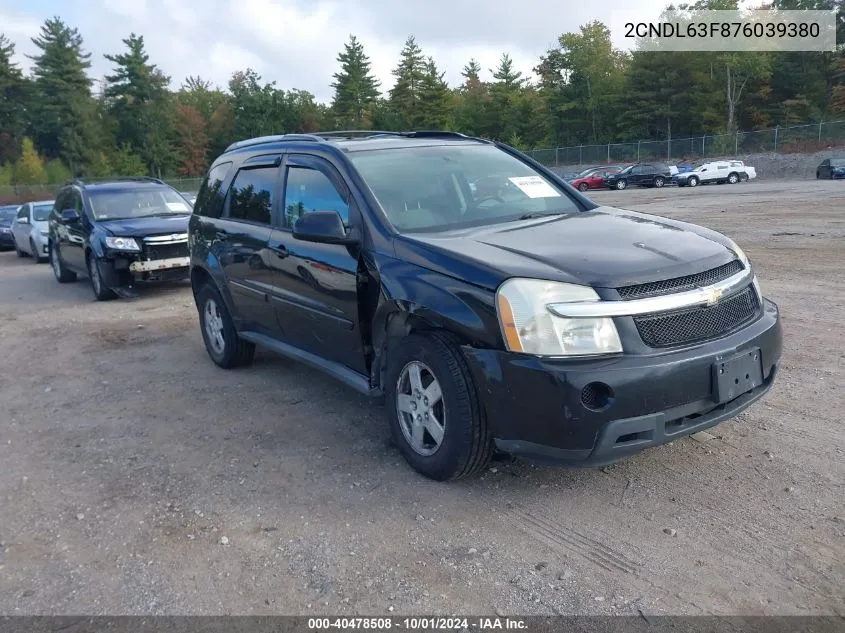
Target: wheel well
[(733, 173), (199, 277)]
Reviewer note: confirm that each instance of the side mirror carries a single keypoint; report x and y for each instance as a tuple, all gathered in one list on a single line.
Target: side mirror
[(69, 216), (326, 227), (23, 220)]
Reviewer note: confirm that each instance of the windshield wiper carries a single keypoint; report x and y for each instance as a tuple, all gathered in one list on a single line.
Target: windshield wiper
[(539, 214)]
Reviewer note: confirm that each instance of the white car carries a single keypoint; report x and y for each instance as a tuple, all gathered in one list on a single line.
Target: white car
[(30, 229), (730, 171)]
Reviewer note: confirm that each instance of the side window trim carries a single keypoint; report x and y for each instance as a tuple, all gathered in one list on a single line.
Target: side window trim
[(323, 166), (274, 207)]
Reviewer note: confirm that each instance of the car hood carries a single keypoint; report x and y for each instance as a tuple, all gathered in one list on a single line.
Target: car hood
[(5, 223), (604, 247), (139, 227)]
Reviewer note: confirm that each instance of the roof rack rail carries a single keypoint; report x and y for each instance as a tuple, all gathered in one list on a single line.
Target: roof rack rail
[(272, 138), (81, 180)]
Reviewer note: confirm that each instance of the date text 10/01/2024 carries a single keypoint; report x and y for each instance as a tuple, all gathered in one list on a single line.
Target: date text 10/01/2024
[(418, 623)]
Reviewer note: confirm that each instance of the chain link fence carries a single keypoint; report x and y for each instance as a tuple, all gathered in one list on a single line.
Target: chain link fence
[(793, 139), (25, 193)]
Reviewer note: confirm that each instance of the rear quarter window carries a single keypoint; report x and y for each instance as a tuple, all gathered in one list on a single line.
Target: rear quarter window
[(212, 192)]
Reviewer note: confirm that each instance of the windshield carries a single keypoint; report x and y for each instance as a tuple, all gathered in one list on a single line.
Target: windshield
[(627, 169), (112, 204), (42, 212), (586, 172), (837, 162), (443, 187), (8, 213)]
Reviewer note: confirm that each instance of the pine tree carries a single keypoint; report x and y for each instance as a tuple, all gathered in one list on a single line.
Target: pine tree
[(137, 97), (435, 98), (472, 107), (62, 115), (14, 95), (405, 96), (355, 88)]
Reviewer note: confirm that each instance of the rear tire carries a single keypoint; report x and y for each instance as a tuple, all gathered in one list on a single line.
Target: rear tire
[(62, 274), (659, 182), (692, 181), (465, 444), (733, 178), (583, 187), (224, 346)]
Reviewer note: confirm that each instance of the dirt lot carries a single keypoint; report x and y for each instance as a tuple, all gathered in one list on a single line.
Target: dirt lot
[(137, 477)]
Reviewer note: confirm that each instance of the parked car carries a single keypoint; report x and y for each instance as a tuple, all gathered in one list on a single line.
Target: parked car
[(190, 196), (719, 172), (640, 175), (118, 232), (30, 229), (593, 178), (542, 324), (7, 216), (831, 169)]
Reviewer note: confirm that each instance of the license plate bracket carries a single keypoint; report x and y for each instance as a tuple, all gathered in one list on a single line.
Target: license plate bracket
[(736, 375)]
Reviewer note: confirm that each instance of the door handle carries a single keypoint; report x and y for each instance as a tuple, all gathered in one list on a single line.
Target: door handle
[(281, 250), (221, 234)]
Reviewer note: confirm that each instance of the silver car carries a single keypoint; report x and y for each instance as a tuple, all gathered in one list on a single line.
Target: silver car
[(30, 229)]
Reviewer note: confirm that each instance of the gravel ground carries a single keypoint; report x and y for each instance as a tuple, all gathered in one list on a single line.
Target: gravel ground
[(138, 478)]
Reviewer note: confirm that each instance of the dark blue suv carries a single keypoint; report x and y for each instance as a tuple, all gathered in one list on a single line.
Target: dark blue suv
[(489, 304), (119, 232)]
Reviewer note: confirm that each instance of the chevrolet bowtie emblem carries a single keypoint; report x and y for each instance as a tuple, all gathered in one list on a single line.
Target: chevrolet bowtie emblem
[(713, 295)]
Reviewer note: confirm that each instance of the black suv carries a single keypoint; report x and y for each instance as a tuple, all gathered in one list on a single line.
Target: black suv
[(512, 315), (640, 175), (117, 232)]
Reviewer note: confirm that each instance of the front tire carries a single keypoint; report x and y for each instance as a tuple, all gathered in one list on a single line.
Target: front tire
[(224, 346), (583, 187), (436, 418), (621, 184), (101, 292), (62, 274), (36, 256), (21, 253)]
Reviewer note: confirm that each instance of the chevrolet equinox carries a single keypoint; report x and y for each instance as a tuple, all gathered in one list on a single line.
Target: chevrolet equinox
[(490, 305)]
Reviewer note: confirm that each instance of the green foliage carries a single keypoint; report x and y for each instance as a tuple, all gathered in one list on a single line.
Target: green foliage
[(355, 88), (62, 115), (124, 162), (29, 170), (136, 96), (7, 173), (56, 173), (406, 94), (14, 94)]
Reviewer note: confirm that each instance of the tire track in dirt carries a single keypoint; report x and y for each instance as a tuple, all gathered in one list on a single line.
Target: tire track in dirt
[(564, 539)]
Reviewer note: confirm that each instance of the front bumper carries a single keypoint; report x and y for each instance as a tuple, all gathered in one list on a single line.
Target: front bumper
[(6, 240), (536, 407)]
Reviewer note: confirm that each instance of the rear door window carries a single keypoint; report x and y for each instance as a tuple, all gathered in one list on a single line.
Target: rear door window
[(252, 195)]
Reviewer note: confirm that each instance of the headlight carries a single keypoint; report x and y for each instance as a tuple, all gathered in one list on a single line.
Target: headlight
[(739, 253), (122, 243), (45, 233), (529, 327)]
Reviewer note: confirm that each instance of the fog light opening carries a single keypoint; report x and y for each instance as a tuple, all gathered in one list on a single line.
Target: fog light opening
[(596, 396)]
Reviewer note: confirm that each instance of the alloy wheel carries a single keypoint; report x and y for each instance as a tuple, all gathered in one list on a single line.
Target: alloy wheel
[(420, 408)]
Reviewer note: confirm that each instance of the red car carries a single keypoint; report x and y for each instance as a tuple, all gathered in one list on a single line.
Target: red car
[(593, 178)]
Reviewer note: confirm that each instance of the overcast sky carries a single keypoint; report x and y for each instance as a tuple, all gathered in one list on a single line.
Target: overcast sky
[(296, 42)]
